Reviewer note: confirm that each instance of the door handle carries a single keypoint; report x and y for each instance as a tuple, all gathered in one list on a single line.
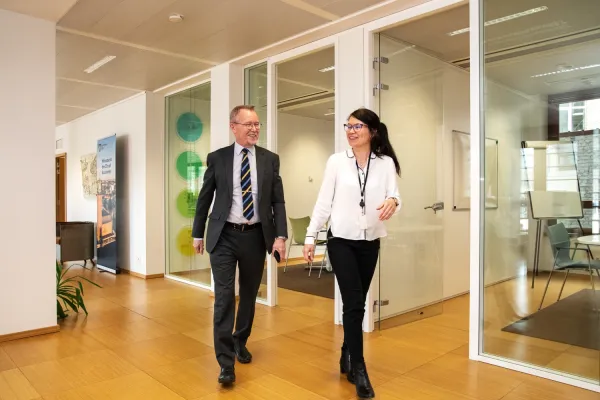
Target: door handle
[(436, 206)]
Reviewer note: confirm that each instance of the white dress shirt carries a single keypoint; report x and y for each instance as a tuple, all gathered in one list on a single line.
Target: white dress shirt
[(339, 197), (236, 214)]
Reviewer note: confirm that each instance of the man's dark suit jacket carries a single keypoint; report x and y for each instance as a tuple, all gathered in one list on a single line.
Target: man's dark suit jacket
[(218, 184)]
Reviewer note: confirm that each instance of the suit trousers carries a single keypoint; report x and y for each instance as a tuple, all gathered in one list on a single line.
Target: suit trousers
[(247, 251), (353, 263)]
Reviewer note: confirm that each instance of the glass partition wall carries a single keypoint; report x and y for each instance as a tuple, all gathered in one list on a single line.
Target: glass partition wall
[(255, 93), (540, 301), (187, 145)]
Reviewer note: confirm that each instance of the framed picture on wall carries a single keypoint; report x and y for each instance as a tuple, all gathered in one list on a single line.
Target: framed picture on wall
[(461, 179)]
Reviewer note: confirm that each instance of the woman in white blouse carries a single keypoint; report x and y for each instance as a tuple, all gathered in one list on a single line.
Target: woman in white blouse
[(359, 192)]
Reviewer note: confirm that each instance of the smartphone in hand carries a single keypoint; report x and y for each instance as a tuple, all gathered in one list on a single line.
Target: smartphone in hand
[(277, 256)]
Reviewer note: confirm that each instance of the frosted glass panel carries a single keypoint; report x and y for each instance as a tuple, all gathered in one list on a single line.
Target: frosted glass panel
[(187, 145)]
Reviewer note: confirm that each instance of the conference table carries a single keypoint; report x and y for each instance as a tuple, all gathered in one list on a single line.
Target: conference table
[(591, 240)]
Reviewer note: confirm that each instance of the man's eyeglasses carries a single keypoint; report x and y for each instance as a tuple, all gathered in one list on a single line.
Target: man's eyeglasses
[(250, 125), (355, 127)]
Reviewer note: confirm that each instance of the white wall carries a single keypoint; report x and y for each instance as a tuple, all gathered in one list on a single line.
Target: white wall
[(27, 239), (126, 119), (304, 145)]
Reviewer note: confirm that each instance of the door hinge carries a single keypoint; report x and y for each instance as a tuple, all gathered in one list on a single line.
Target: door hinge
[(380, 86), (382, 60)]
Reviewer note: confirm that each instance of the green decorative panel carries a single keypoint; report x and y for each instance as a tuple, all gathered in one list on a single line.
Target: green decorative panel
[(188, 165), (186, 203), (189, 127)]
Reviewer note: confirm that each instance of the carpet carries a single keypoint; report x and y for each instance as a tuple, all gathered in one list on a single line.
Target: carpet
[(571, 321), (296, 278)]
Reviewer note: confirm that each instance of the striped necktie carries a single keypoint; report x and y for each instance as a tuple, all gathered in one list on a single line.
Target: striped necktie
[(248, 203)]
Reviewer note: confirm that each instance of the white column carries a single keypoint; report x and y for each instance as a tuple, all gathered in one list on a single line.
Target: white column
[(227, 91), (27, 204), (350, 95), (477, 211)]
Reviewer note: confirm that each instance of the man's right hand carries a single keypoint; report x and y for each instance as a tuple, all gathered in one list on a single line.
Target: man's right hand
[(199, 246), (309, 252)]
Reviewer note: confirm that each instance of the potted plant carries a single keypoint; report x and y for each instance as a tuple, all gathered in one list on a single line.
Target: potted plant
[(69, 292)]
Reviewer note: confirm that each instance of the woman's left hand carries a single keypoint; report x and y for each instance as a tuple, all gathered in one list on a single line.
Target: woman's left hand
[(388, 208)]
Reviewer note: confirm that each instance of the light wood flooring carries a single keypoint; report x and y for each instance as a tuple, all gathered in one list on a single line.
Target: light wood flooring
[(152, 339)]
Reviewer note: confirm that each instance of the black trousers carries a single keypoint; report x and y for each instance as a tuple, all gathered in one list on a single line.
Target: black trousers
[(354, 263), (246, 250)]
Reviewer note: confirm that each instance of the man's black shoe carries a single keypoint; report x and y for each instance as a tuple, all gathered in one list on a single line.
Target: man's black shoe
[(242, 353), (227, 376)]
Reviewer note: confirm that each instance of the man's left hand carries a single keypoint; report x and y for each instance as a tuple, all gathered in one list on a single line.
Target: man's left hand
[(279, 246)]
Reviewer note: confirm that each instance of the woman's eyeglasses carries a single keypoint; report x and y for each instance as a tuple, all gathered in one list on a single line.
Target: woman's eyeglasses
[(355, 127)]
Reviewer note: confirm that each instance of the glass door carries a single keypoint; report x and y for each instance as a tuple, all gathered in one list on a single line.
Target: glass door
[(410, 99)]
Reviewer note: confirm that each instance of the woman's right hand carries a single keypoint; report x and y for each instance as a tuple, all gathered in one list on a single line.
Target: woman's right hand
[(309, 252)]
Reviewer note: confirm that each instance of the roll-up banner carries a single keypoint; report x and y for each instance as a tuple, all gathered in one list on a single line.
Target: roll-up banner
[(106, 230)]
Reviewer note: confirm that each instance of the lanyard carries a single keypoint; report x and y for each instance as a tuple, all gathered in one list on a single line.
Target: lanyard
[(362, 186)]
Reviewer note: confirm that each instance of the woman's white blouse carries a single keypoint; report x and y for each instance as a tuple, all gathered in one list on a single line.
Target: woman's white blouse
[(339, 197)]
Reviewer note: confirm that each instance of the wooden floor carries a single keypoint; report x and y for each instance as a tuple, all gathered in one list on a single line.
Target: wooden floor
[(514, 300), (153, 340)]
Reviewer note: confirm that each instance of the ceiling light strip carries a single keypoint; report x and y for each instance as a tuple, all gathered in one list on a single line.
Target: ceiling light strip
[(503, 19), (566, 70), (99, 64)]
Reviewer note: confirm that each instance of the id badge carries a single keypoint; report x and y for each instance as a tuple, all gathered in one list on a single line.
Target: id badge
[(362, 222)]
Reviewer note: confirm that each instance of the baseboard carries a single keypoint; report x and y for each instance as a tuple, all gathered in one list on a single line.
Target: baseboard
[(141, 276), (26, 334)]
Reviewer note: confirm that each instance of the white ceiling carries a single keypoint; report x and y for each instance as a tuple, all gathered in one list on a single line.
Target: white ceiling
[(568, 33), (51, 10), (152, 52)]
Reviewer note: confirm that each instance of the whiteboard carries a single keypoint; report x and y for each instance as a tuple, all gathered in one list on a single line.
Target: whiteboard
[(550, 205)]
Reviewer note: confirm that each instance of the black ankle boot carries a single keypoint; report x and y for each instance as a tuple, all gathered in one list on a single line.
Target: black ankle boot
[(345, 365), (364, 390)]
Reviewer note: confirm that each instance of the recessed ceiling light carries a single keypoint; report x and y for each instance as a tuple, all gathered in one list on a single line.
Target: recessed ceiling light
[(327, 69), (98, 64), (175, 18), (564, 70), (503, 19)]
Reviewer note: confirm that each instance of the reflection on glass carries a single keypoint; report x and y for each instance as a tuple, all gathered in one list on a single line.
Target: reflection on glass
[(187, 145), (535, 95), (255, 93)]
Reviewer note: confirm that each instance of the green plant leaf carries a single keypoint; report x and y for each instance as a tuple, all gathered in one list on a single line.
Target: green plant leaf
[(70, 291), (71, 304), (60, 311), (74, 278)]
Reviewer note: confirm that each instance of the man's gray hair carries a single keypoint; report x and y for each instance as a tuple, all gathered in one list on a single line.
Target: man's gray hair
[(236, 110)]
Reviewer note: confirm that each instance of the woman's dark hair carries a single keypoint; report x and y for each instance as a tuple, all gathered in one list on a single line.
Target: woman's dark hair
[(380, 142)]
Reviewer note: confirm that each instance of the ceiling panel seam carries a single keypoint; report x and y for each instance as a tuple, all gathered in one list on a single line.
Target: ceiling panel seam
[(135, 46)]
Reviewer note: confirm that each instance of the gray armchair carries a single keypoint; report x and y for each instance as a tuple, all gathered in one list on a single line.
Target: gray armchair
[(563, 260), (76, 241)]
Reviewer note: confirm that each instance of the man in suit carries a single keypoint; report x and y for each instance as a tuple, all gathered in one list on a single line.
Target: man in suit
[(247, 220)]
